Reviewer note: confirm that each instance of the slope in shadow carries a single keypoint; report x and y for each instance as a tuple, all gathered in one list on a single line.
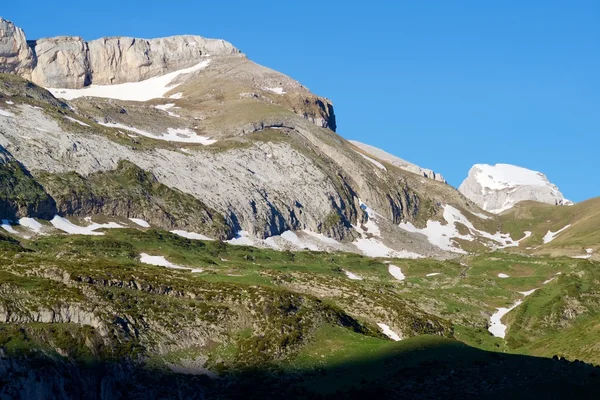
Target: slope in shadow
[(425, 368)]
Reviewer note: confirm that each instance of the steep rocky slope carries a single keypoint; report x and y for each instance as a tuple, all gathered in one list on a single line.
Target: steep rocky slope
[(253, 147), (499, 187)]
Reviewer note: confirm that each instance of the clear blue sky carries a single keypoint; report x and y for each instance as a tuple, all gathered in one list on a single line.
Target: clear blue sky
[(444, 84)]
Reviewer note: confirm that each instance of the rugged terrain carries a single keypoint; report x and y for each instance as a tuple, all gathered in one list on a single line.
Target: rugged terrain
[(180, 222)]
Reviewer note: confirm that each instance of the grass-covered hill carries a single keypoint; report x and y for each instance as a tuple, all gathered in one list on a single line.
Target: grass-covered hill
[(292, 321)]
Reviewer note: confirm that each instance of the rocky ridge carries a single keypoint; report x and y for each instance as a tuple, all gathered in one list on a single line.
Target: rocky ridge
[(71, 62), (397, 161)]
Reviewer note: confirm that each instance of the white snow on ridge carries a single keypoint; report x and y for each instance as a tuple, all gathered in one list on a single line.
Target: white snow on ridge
[(160, 261), (502, 176), (373, 161), (387, 331), (67, 226), (191, 235), (550, 236), (140, 222), (172, 135), (146, 90)]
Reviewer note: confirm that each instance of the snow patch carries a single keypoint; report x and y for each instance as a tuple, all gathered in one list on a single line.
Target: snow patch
[(387, 331), (374, 162), (146, 90), (31, 224), (277, 90), (191, 235), (396, 272), (77, 121), (550, 236), (4, 113), (352, 276), (160, 261), (67, 226), (529, 292), (182, 135), (10, 103), (497, 328), (8, 227), (166, 108), (503, 276), (140, 222), (443, 236), (434, 274)]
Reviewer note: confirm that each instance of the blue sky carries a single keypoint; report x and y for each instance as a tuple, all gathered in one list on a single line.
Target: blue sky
[(439, 83)]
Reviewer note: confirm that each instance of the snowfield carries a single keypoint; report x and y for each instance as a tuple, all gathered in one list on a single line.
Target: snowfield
[(276, 90), (8, 227), (149, 89), (172, 135), (160, 261), (31, 224), (387, 331), (396, 272), (443, 236), (77, 121), (352, 276), (191, 235), (67, 226), (166, 108), (140, 222), (502, 176), (497, 328), (4, 113), (550, 236), (374, 162)]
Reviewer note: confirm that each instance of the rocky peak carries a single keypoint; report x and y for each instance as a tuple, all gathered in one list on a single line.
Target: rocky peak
[(496, 188), (71, 62), (15, 54)]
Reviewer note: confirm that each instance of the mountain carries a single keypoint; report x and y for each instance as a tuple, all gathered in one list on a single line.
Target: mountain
[(172, 213), (398, 162), (496, 188)]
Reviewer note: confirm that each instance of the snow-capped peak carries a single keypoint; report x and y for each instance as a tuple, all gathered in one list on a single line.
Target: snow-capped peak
[(496, 188)]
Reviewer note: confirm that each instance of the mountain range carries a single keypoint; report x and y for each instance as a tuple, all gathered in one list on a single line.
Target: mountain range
[(169, 205)]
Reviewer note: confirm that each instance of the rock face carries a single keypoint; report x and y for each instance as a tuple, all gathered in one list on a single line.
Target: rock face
[(71, 62), (499, 187), (15, 55), (398, 162)]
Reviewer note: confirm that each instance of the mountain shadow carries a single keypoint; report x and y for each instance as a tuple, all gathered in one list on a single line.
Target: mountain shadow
[(421, 368)]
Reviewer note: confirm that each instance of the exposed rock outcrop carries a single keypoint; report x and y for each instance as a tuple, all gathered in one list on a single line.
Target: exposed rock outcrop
[(496, 188), (398, 162), (71, 62), (15, 54)]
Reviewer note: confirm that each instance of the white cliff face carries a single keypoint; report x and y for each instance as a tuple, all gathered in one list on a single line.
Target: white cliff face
[(71, 62), (15, 55), (497, 188), (398, 162)]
